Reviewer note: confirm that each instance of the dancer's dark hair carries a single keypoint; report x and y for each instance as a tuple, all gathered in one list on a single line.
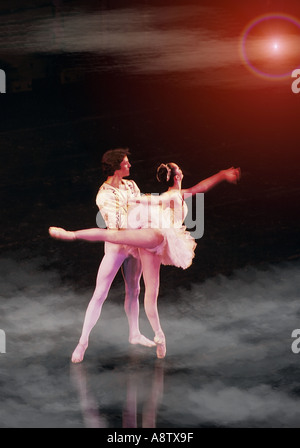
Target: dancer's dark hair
[(165, 174), (112, 159)]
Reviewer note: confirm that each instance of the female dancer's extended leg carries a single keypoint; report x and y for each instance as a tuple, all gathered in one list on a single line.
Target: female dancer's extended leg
[(142, 238)]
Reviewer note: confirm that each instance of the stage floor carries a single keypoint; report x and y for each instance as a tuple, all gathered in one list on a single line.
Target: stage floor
[(230, 361)]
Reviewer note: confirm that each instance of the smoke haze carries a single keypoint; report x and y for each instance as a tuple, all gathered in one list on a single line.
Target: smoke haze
[(229, 359)]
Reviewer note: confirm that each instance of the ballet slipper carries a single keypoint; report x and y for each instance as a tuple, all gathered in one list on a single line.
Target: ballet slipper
[(142, 340), (61, 234), (161, 348), (78, 353)]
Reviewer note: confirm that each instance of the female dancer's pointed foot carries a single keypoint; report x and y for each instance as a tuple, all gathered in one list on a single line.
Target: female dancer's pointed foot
[(161, 347), (61, 234), (142, 340), (78, 353)]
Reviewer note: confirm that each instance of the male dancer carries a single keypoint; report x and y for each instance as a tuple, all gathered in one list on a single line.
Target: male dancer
[(112, 200)]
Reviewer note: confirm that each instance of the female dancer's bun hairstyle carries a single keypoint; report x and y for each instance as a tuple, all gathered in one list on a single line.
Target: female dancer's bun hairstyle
[(163, 173)]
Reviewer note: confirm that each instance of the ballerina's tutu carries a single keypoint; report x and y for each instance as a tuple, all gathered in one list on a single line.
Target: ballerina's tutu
[(178, 246)]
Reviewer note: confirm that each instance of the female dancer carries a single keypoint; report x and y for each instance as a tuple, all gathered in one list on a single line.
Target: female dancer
[(155, 227)]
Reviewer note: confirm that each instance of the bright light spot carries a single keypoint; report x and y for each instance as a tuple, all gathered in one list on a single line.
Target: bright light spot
[(277, 47), (268, 56)]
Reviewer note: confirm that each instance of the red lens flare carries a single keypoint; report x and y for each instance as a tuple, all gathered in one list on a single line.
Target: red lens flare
[(270, 46)]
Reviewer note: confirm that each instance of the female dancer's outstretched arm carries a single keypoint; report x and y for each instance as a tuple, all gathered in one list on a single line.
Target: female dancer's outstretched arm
[(231, 175)]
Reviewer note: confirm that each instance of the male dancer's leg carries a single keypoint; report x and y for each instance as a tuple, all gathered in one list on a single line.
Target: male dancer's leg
[(109, 266), (132, 270)]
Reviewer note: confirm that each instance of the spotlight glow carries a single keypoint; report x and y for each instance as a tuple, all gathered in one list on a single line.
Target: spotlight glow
[(259, 47)]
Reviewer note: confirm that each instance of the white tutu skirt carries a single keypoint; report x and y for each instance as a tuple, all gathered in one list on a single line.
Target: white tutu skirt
[(177, 248)]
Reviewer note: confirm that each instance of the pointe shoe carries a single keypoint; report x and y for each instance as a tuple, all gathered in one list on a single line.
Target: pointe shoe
[(78, 354), (161, 348), (61, 234)]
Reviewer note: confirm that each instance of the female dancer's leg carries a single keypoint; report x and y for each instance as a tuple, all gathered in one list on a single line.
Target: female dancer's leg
[(142, 238), (151, 269)]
